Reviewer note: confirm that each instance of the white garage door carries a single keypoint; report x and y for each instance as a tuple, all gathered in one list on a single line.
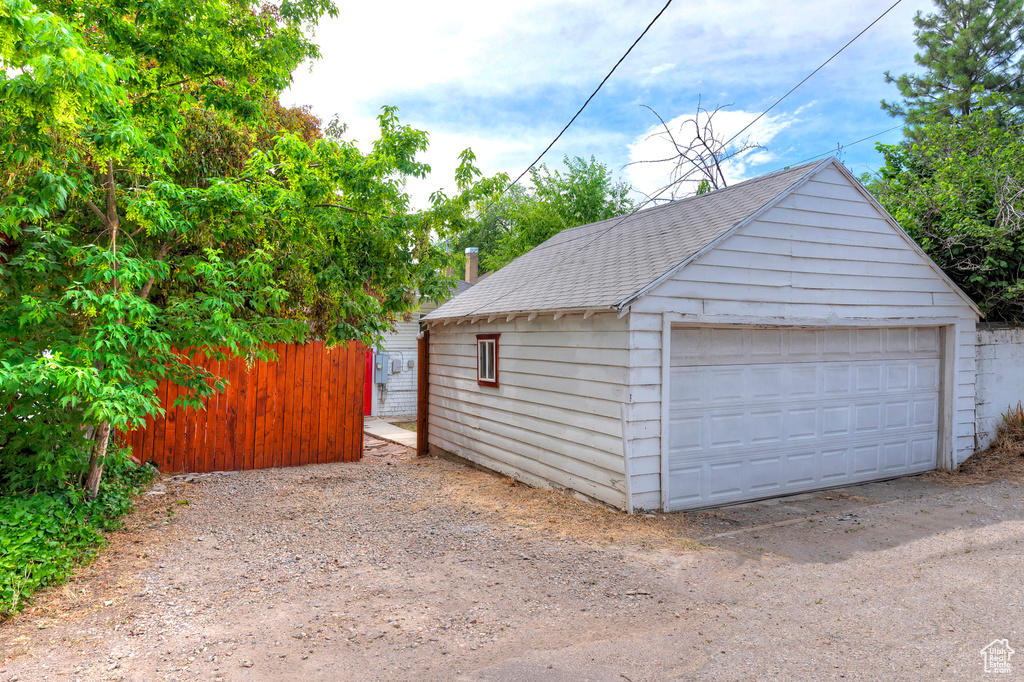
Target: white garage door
[(763, 412)]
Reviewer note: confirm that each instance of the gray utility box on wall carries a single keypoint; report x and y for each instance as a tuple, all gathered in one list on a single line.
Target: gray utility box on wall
[(381, 367)]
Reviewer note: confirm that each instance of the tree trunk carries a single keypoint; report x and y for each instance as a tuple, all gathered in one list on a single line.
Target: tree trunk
[(92, 481)]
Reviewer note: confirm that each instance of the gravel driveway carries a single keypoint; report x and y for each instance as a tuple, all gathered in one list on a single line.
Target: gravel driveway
[(397, 568)]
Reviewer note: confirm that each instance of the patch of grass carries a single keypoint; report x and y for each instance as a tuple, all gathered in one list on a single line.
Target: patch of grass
[(45, 536), (408, 426)]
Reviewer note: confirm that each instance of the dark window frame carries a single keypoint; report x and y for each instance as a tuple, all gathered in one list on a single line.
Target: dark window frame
[(490, 383)]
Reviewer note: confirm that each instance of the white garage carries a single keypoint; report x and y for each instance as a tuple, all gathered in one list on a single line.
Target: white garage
[(778, 336), (757, 412)]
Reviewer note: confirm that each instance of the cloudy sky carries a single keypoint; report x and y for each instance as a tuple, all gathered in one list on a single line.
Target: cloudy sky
[(503, 78)]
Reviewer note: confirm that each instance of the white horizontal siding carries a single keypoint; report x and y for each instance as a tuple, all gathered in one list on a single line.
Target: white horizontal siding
[(821, 253), (398, 398), (644, 427), (554, 419)]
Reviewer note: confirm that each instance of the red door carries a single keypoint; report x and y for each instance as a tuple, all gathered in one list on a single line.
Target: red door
[(368, 387)]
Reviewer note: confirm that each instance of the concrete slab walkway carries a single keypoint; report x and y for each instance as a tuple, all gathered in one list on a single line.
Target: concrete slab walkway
[(378, 428)]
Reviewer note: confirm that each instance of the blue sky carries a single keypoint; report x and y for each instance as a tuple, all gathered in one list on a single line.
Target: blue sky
[(503, 78)]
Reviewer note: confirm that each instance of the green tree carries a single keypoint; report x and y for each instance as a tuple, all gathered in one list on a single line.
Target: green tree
[(523, 218), (958, 190), (969, 50), (158, 198)]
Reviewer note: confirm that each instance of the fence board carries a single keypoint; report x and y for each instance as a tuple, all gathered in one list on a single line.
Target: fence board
[(354, 410), (269, 448), (203, 427), (170, 417), (220, 448), (178, 457), (287, 444), (304, 408), (309, 359), (259, 452), (314, 403), (321, 431)]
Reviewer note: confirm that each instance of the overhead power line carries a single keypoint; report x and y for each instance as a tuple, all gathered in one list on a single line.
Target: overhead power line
[(592, 95), (808, 77), (661, 191), (912, 120), (618, 222)]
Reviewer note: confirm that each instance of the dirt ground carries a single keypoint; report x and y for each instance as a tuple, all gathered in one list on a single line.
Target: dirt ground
[(397, 568)]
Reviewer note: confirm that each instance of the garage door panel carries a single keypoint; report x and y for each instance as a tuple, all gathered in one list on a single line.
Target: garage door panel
[(868, 341), (927, 340), (926, 412), (809, 409), (803, 423), (866, 459), (867, 418), (767, 383), (837, 379), (766, 427), (768, 344), (799, 468), (868, 378), (686, 434), (712, 345), (897, 415), (735, 386), (803, 380), (896, 457), (803, 344), (727, 386), (926, 375), (897, 377), (688, 388), (835, 464), (765, 473), (898, 341), (725, 478), (725, 430), (837, 342), (835, 420), (923, 452), (686, 486)]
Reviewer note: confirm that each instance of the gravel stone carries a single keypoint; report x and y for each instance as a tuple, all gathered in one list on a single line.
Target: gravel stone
[(396, 568)]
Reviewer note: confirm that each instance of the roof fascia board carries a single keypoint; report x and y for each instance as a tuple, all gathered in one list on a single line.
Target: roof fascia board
[(906, 237), (532, 314), (728, 233)]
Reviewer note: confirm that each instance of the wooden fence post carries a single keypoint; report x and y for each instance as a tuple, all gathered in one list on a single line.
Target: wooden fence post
[(422, 393)]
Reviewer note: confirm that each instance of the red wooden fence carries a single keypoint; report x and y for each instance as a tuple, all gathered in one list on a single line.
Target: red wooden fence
[(306, 408)]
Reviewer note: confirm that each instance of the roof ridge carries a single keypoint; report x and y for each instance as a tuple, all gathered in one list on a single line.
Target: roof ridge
[(676, 202), (748, 181), (562, 271)]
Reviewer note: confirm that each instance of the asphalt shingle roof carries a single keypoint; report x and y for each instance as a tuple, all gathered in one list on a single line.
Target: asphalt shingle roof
[(604, 264)]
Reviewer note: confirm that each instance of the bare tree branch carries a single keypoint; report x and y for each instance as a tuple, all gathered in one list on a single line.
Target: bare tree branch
[(699, 155)]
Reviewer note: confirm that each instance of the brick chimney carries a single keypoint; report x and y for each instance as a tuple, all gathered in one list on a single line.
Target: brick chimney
[(472, 266)]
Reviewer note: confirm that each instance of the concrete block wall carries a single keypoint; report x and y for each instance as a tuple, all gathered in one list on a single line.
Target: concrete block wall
[(999, 382)]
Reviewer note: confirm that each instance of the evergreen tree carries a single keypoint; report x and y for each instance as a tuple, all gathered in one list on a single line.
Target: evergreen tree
[(970, 50)]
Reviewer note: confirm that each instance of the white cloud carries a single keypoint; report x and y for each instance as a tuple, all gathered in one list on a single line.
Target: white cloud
[(503, 77)]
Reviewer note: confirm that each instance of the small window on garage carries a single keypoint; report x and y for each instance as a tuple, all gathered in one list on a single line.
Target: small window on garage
[(487, 359)]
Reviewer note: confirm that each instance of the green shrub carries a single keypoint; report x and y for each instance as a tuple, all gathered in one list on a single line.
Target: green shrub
[(45, 536)]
